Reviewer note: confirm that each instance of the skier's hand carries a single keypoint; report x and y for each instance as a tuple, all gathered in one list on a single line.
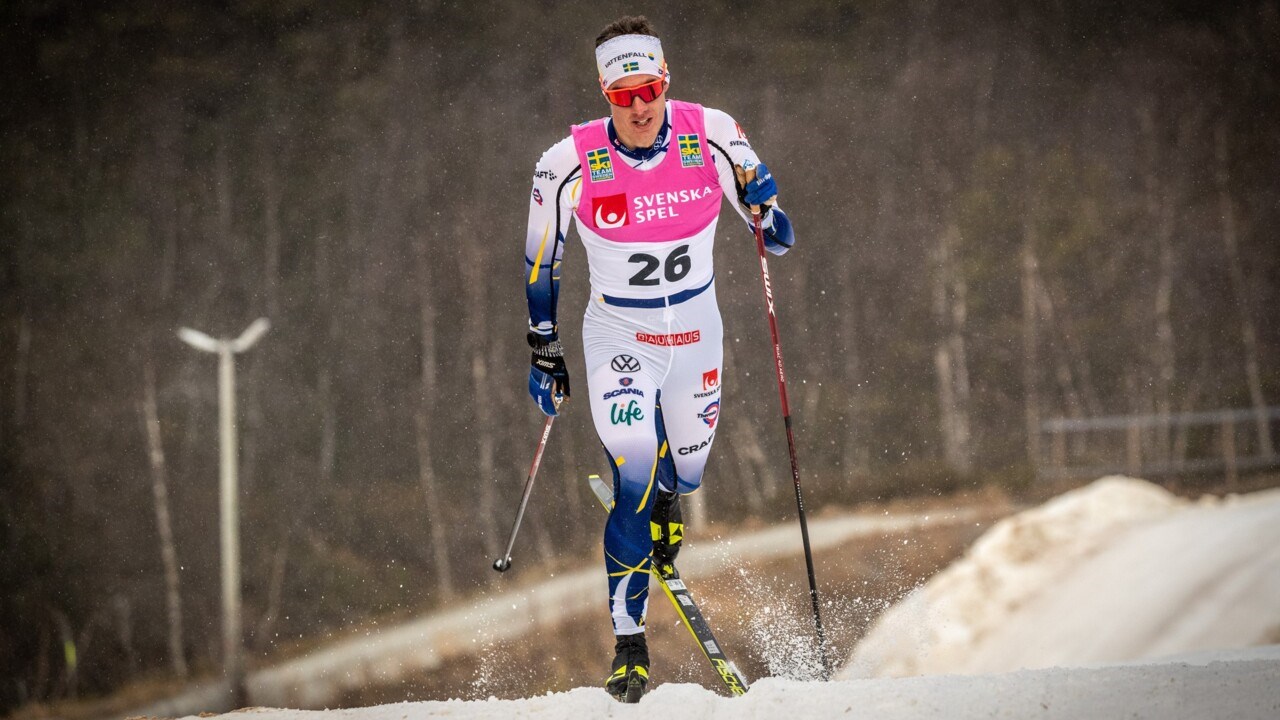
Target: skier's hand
[(548, 376), (758, 188), (758, 191)]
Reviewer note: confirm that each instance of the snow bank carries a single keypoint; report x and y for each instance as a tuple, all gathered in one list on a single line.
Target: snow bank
[(1241, 687), (1120, 569), (1088, 582)]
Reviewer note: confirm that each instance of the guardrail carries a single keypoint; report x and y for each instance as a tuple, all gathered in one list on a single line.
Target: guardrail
[(1159, 445)]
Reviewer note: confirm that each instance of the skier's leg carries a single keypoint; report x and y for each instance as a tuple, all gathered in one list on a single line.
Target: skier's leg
[(623, 410), (666, 525), (691, 392), (688, 416)]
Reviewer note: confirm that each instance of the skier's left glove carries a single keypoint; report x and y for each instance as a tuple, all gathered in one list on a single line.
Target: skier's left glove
[(762, 190), (548, 376), (778, 234)]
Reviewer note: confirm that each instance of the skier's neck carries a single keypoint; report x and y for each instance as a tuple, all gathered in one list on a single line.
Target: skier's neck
[(640, 153)]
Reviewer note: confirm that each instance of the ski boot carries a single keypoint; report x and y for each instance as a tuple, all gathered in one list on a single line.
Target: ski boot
[(667, 529), (630, 669)]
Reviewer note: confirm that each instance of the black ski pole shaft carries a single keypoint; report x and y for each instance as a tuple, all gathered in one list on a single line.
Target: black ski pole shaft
[(503, 563), (791, 442)]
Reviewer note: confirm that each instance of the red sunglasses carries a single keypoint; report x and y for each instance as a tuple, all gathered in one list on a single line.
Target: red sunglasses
[(648, 92)]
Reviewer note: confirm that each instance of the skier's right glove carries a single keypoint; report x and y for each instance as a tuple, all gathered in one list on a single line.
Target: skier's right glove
[(548, 376)]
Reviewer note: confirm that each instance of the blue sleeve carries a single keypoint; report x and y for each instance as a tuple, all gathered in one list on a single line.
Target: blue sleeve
[(543, 287), (779, 235), (556, 180)]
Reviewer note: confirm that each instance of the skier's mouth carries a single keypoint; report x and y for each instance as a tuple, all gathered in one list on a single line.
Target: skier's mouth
[(642, 124)]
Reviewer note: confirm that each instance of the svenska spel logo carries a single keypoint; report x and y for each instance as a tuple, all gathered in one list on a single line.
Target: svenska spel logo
[(600, 165), (610, 211), (690, 150), (711, 379)]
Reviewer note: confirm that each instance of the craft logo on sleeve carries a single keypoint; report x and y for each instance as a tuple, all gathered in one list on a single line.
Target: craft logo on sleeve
[(690, 150), (600, 165), (610, 211), (711, 379)]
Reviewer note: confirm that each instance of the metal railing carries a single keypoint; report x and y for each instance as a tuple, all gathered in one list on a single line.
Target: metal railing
[(1159, 445)]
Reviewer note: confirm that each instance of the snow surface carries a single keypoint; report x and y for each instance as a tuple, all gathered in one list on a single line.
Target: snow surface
[(1096, 583), (1242, 686)]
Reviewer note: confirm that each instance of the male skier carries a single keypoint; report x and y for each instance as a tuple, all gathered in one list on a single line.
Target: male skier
[(644, 185)]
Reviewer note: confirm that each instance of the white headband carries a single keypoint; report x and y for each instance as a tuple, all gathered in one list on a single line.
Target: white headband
[(627, 55)]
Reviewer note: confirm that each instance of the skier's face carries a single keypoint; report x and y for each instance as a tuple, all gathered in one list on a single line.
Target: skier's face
[(638, 124)]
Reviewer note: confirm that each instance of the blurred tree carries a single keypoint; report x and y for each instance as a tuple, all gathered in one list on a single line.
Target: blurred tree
[(1000, 196)]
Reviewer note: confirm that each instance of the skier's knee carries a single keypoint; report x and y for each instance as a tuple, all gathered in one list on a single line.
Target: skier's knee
[(631, 488), (688, 482)]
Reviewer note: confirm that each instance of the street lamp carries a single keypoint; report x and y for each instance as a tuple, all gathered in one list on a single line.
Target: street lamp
[(232, 640)]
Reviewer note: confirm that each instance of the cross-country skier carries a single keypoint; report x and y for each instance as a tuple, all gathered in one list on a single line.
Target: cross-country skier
[(644, 185)]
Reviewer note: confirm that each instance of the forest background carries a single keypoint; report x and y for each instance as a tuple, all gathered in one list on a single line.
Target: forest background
[(1006, 212)]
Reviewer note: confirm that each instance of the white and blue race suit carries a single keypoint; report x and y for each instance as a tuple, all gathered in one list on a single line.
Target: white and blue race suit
[(652, 332)]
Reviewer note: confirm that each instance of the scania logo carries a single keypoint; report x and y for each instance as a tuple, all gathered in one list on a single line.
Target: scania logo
[(625, 363)]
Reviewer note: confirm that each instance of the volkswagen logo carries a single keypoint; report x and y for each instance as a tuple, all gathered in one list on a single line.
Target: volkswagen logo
[(624, 363)]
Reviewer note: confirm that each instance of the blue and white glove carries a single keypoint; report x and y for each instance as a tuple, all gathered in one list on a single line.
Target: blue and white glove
[(763, 191), (548, 376)]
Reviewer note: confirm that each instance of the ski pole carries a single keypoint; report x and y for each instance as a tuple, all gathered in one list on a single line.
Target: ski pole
[(503, 563), (745, 176)]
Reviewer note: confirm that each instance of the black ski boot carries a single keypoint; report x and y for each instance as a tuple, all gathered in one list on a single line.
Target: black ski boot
[(630, 669), (667, 529)]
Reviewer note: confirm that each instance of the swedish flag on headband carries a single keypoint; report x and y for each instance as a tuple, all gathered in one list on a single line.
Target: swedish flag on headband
[(690, 150), (600, 165)]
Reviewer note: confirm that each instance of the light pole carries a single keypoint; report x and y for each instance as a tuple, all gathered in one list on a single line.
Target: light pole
[(232, 640)]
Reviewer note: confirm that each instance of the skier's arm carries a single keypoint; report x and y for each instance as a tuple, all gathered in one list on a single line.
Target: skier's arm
[(556, 184), (731, 148)]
